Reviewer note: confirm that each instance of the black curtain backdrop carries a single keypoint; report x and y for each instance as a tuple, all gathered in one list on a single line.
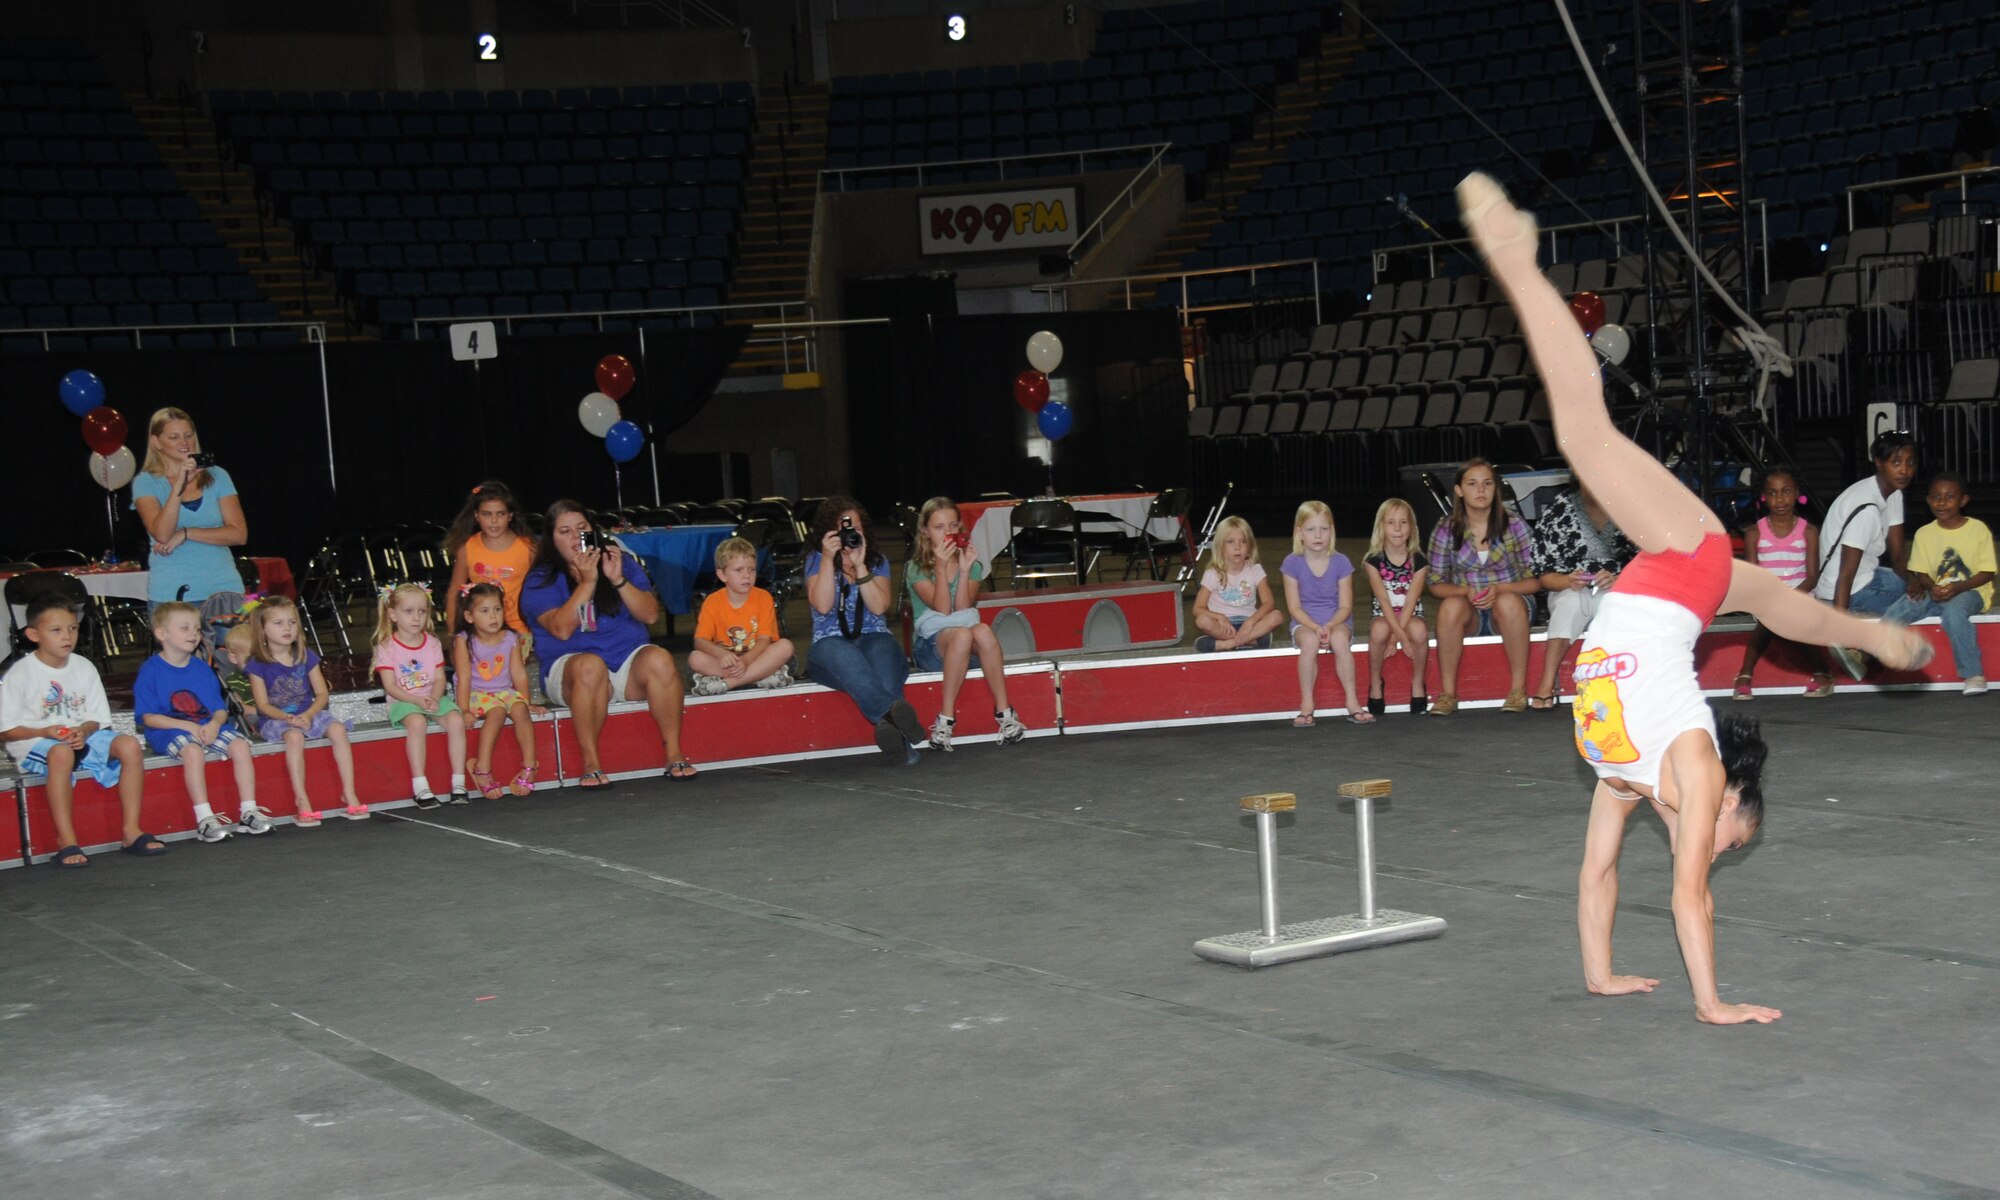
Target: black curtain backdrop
[(412, 431), (932, 412)]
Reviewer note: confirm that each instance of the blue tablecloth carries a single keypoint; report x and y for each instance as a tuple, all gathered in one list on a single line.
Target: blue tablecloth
[(677, 558)]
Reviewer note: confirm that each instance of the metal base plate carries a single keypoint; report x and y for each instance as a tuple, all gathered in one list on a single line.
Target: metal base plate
[(1311, 939)]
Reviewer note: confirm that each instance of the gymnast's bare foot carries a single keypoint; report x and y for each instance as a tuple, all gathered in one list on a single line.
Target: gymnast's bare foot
[(1904, 649), (1495, 224)]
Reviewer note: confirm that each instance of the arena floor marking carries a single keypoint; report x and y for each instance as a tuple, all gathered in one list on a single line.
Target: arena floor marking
[(1617, 1115), (559, 1146)]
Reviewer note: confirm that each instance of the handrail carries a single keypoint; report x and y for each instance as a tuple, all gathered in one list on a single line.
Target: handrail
[(1960, 175), (840, 174), (1076, 248), (1050, 290), (780, 306), (315, 331)]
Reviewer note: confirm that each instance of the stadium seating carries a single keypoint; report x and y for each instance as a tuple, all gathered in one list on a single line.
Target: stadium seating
[(531, 204), (95, 232)]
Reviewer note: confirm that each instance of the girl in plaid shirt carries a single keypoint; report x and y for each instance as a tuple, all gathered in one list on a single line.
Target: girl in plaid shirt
[(1483, 571)]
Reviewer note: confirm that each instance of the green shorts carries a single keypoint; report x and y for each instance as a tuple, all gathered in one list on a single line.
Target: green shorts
[(398, 709)]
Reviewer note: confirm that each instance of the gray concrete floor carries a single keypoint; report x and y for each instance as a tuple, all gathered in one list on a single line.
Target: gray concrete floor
[(973, 978)]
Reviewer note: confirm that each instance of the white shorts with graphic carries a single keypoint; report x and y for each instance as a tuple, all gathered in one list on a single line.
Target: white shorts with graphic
[(1635, 687)]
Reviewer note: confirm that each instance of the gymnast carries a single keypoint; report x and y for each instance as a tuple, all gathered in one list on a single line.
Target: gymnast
[(1641, 719)]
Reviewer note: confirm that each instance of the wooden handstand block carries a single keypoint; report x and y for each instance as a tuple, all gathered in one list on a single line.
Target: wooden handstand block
[(1365, 787), (1269, 802)]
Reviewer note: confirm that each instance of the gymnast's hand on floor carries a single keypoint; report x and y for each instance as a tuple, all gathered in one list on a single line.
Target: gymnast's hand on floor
[(1622, 985), (1737, 1014)]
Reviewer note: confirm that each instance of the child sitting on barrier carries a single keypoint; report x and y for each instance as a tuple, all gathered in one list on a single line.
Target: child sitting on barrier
[(493, 687), (1782, 542), (1396, 571), (1951, 577), (181, 706), (736, 640), (1319, 595), (409, 662), (290, 703), (943, 576), (1234, 607), (56, 722)]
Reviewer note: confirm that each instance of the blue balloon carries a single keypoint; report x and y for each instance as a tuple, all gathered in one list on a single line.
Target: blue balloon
[(1055, 420), (81, 392), (623, 441)]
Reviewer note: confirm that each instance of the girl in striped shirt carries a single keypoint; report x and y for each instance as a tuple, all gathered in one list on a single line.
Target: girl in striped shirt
[(1782, 542)]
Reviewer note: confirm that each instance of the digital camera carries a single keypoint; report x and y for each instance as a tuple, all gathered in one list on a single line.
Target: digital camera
[(850, 537), (961, 540), (203, 460), (589, 539)]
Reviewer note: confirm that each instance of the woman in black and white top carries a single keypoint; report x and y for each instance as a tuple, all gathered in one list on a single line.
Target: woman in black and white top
[(1580, 552)]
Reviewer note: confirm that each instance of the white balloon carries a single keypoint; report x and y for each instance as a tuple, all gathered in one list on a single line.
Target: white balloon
[(1045, 352), (1613, 342), (598, 412), (114, 472)]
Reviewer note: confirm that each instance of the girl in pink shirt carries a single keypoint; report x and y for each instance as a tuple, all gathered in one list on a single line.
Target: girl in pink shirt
[(1782, 542)]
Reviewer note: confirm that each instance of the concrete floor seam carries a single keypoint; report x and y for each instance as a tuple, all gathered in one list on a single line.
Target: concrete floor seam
[(1816, 938), (547, 1141), (1618, 1115)]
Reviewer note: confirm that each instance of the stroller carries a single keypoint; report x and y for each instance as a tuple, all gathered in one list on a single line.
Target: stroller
[(220, 613)]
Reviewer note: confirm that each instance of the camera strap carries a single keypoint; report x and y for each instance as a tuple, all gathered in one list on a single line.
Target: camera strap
[(840, 608)]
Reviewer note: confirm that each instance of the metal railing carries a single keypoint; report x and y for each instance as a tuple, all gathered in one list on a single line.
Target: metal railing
[(793, 330), (1081, 158), (1051, 290), (1960, 176), (312, 331), (1127, 197)]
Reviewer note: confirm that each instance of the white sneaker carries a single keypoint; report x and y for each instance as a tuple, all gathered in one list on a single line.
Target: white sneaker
[(213, 828), (1850, 661), (253, 820), (710, 685), (1976, 686), (1011, 729), (780, 678), (941, 732)]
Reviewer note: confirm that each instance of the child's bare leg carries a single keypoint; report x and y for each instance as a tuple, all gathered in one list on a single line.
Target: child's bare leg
[(61, 791), (343, 761), (1379, 636), (955, 648), (764, 663), (1215, 625), (1455, 620), (489, 735), (1417, 645), (454, 739), (524, 734), (194, 772), (1257, 627), (1343, 665), (1648, 503), (701, 662), (1792, 614), (416, 743), (244, 767), (1308, 644), (295, 766), (992, 664), (131, 758)]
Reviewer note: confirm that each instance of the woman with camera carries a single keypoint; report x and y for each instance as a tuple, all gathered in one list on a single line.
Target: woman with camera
[(191, 513), (847, 584), (590, 603)]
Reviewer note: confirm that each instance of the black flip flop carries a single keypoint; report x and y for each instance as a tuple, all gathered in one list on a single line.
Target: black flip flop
[(603, 784), (145, 846), (65, 852), (690, 772)]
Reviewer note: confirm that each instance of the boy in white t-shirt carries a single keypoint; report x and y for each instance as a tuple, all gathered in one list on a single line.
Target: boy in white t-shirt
[(56, 722)]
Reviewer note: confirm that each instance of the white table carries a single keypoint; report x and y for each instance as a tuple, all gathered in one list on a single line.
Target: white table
[(128, 584)]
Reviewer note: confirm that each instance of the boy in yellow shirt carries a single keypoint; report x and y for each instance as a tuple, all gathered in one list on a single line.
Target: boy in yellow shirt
[(736, 638), (1951, 576)]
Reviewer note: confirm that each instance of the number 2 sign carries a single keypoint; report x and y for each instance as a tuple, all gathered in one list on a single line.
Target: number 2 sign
[(489, 47)]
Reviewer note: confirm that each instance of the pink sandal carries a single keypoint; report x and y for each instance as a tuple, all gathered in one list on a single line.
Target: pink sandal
[(483, 780), (307, 818), (523, 783)]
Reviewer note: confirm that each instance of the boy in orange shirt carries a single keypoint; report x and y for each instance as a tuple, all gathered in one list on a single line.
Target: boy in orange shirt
[(736, 638)]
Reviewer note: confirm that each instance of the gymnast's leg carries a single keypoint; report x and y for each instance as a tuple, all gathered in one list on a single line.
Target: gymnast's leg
[(1793, 614), (1649, 504)]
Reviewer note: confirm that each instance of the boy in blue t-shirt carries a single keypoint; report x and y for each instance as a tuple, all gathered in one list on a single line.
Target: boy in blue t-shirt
[(180, 705), (56, 722)]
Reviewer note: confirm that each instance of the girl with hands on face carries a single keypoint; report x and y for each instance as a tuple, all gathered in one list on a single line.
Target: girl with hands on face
[(943, 576)]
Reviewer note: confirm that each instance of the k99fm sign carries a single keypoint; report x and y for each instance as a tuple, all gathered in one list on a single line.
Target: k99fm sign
[(989, 221)]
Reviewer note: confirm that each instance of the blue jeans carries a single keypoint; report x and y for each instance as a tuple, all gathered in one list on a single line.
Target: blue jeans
[(1874, 597), (870, 669), (1956, 615)]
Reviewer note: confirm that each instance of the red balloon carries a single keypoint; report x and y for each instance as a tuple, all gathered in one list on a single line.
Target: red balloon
[(614, 376), (1031, 390), (104, 429), (1588, 309)]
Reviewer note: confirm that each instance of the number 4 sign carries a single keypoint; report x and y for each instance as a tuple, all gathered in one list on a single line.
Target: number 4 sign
[(474, 340)]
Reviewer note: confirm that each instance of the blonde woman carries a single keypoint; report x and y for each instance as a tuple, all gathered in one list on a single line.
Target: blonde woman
[(192, 515)]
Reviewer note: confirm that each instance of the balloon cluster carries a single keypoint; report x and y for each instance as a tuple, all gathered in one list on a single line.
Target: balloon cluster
[(1612, 342), (104, 431), (1031, 387), (599, 413)]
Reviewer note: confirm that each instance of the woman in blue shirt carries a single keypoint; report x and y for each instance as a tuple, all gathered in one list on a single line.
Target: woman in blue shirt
[(848, 587), (192, 515), (590, 604)]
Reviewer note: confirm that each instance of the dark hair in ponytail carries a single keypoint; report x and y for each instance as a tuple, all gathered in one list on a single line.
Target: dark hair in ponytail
[(1740, 743)]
